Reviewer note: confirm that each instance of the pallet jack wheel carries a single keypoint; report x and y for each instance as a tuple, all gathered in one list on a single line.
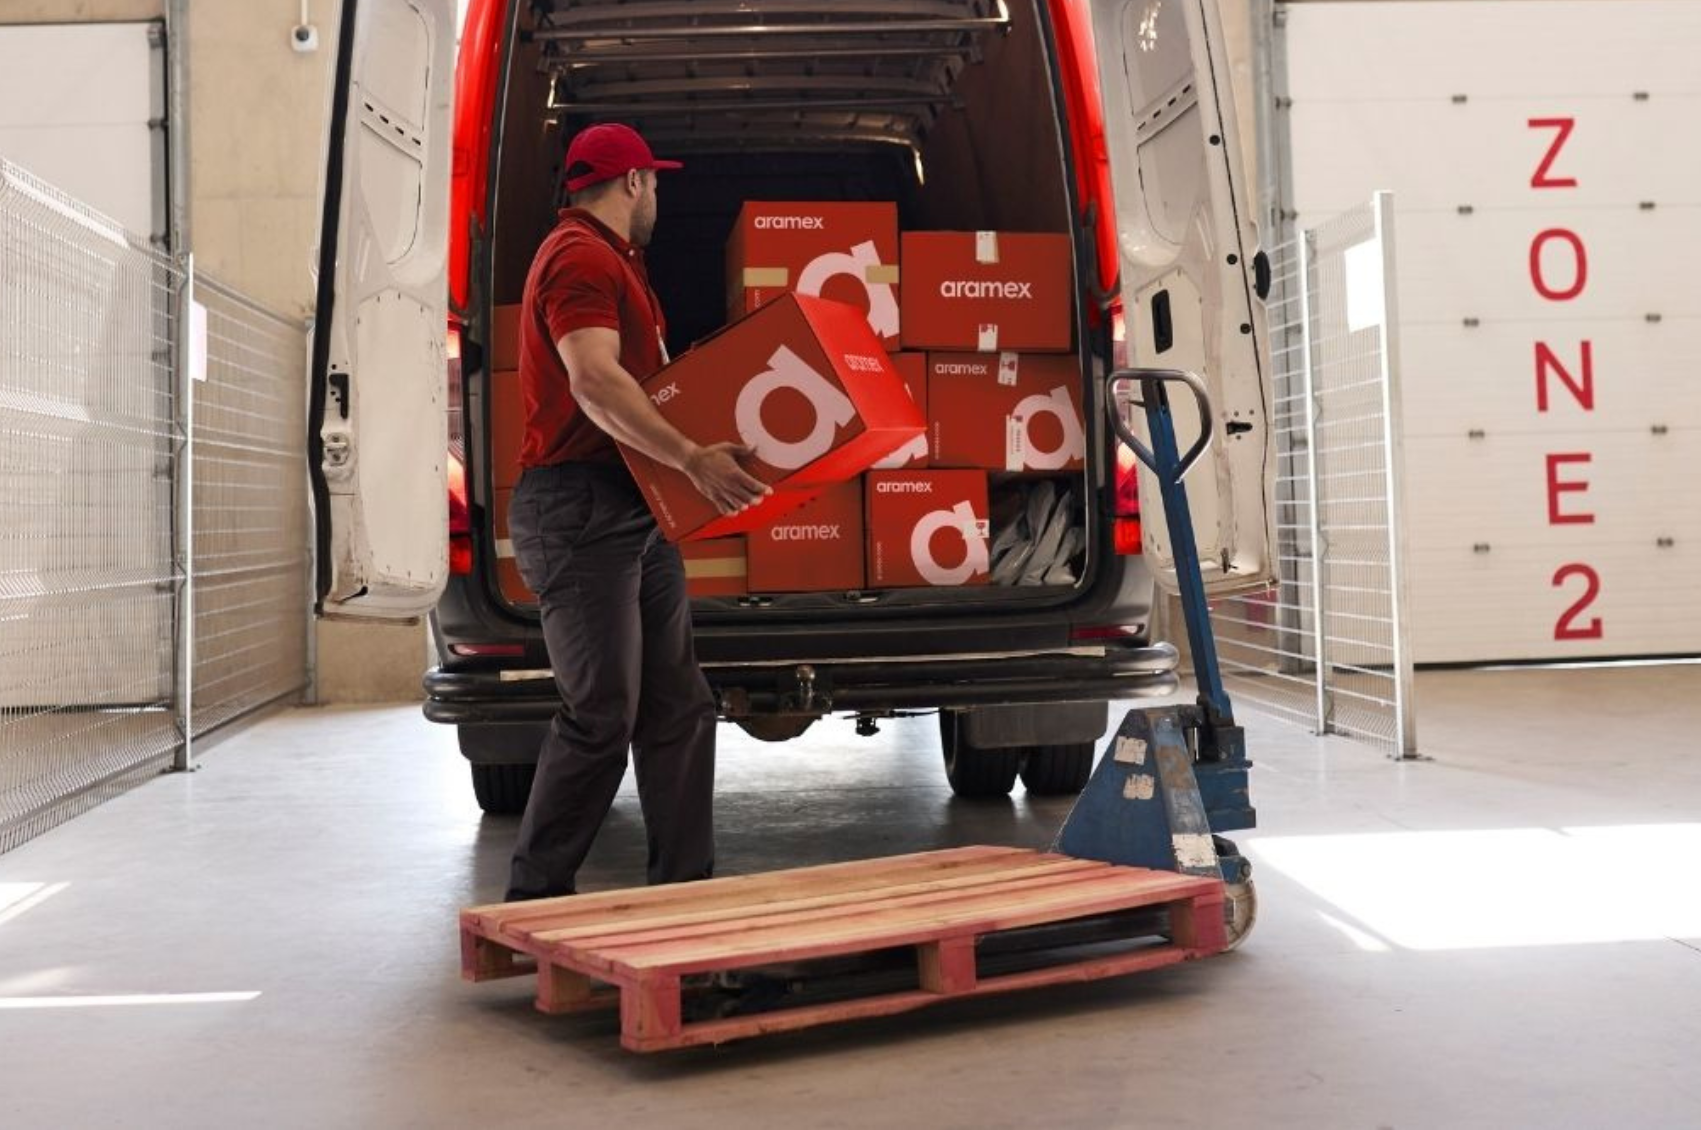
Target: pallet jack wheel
[(1240, 911)]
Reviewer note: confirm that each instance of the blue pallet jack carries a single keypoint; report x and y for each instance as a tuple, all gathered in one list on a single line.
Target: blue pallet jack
[(1173, 779)]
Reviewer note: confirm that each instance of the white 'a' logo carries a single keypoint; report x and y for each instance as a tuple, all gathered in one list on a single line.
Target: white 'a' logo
[(960, 518), (1074, 443), (905, 455), (833, 410), (882, 303)]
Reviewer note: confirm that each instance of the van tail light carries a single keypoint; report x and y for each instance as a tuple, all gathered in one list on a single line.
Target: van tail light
[(1125, 524), (460, 518), (1125, 477)]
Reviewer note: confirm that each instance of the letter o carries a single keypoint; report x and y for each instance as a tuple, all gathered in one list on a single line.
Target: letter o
[(1538, 277)]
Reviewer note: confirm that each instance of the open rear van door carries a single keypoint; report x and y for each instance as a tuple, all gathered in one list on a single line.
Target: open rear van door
[(377, 420), (1191, 271)]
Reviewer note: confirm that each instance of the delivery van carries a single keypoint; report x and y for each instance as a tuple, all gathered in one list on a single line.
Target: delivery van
[(1103, 125)]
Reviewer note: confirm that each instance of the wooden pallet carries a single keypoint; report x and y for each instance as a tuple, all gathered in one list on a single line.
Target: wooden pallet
[(633, 947)]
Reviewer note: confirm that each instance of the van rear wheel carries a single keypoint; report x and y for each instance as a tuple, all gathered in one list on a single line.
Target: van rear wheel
[(1058, 770), (502, 790), (976, 773)]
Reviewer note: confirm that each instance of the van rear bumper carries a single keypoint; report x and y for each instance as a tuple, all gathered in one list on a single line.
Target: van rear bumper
[(748, 690)]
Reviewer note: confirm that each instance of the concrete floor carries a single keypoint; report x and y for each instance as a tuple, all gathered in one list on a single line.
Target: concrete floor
[(1504, 936)]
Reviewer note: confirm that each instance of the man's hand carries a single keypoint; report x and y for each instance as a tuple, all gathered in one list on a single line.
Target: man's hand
[(715, 472)]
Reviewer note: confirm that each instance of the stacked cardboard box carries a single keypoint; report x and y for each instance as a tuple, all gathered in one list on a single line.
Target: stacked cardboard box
[(804, 384), (845, 251)]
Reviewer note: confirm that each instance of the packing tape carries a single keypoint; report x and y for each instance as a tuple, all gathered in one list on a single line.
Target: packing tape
[(986, 247), (881, 274), (988, 338), (504, 547), (716, 568), (767, 276)]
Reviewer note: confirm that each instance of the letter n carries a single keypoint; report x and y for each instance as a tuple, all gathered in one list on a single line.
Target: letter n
[(1582, 387)]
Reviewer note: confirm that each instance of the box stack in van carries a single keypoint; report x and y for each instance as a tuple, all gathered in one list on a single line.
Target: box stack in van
[(973, 329), (982, 323)]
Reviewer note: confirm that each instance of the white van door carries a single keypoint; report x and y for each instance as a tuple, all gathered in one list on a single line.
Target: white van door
[(1187, 248), (377, 423)]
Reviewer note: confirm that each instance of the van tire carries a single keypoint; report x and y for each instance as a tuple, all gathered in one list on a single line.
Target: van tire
[(976, 773), (1058, 770), (502, 790)]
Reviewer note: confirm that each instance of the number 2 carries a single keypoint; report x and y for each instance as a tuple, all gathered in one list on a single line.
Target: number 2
[(1567, 628)]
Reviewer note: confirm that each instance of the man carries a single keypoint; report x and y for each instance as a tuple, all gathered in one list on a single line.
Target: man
[(611, 590)]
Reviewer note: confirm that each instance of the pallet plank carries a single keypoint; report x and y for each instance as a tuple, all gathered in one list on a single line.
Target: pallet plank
[(891, 1004), (738, 890), (981, 914), (872, 920), (697, 923)]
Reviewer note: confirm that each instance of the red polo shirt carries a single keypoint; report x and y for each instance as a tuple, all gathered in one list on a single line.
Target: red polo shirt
[(584, 276)]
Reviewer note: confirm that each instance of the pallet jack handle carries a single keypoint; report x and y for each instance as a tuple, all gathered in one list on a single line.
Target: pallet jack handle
[(1165, 461)]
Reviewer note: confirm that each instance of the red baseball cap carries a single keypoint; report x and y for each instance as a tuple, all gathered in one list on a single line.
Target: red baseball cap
[(606, 151)]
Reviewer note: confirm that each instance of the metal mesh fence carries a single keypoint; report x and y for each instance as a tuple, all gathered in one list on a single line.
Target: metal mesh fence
[(250, 555), (1339, 592), (92, 434)]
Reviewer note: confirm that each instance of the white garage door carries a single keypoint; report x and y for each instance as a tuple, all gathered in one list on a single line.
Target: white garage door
[(75, 103), (1544, 161)]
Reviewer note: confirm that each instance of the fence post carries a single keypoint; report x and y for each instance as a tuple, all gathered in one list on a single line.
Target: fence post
[(1405, 726), (183, 522), (1308, 393)]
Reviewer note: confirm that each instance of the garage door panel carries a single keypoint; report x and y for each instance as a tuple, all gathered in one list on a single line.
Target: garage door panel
[(1394, 52), (1606, 156), (1495, 490), (1457, 379), (1506, 605), (1455, 267)]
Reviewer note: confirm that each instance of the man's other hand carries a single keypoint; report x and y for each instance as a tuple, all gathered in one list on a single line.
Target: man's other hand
[(715, 472)]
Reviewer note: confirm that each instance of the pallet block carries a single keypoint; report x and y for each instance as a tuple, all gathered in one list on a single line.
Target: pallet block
[(636, 947)]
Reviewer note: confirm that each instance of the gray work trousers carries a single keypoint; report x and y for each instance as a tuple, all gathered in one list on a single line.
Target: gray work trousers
[(617, 622)]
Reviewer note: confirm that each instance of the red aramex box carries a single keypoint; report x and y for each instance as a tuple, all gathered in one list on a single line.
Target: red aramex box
[(826, 249), (1005, 411), (805, 384), (913, 456), (927, 528), (986, 291), (816, 548), (716, 568)]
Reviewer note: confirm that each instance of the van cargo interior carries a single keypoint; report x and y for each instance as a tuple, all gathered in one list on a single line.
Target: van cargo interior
[(944, 106)]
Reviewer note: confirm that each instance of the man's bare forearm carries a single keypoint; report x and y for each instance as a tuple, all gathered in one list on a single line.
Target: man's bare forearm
[(617, 404)]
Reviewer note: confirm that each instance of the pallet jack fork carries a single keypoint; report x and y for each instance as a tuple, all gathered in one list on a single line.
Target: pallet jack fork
[(1174, 778)]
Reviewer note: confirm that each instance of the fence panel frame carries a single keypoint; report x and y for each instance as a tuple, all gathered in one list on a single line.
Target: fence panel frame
[(1310, 647)]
